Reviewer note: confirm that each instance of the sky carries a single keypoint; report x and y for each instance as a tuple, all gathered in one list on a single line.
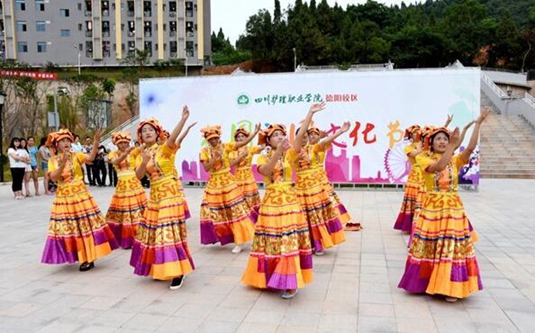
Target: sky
[(232, 15)]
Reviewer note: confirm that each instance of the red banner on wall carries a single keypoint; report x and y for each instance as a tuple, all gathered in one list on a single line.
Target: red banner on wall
[(18, 74)]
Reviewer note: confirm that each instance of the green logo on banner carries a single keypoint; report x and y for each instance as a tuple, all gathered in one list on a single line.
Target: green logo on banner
[(243, 100)]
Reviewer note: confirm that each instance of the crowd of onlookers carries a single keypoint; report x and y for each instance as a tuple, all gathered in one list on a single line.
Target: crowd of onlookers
[(28, 161)]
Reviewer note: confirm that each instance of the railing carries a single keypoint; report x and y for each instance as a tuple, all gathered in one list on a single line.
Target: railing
[(493, 86), (490, 69), (529, 99), (120, 128)]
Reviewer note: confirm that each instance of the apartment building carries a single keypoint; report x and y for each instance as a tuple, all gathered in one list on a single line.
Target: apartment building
[(103, 32)]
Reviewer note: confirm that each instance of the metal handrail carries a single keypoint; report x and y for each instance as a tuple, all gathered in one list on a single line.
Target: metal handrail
[(529, 99), (493, 86), (120, 127)]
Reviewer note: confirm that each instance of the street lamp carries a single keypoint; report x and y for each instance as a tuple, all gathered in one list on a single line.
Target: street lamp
[(79, 59), (62, 91), (295, 60), (2, 101)]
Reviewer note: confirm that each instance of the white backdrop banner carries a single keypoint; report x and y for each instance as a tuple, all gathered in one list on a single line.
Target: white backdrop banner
[(379, 105)]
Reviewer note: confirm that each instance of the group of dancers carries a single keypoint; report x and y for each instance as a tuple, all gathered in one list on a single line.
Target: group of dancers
[(295, 219), (441, 258)]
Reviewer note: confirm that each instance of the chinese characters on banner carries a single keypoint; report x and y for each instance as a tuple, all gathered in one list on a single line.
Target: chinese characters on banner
[(18, 74)]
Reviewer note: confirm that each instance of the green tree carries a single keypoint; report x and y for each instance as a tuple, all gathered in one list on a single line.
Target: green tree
[(469, 28)]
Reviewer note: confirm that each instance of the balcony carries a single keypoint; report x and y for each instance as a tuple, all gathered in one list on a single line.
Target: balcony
[(172, 33), (130, 13), (87, 13), (148, 33), (172, 14), (89, 33), (147, 13), (105, 12), (106, 33), (131, 33)]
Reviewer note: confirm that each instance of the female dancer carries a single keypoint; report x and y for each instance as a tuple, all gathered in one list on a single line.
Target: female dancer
[(129, 200), (160, 248), (225, 216), (77, 229), (406, 214), (326, 229), (242, 160), (318, 162), (178, 142), (281, 255), (442, 256)]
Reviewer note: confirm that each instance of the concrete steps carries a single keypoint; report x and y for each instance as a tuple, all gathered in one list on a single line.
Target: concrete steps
[(507, 147)]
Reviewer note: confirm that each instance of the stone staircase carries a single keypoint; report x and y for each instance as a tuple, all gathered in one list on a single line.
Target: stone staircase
[(507, 145)]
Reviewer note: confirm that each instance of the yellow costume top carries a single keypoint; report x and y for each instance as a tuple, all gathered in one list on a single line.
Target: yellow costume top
[(445, 180), (225, 149), (282, 173), (128, 164), (162, 162), (409, 149), (247, 161), (319, 152), (309, 157), (73, 169)]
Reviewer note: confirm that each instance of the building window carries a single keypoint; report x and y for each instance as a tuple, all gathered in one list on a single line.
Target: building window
[(21, 5), (106, 50), (106, 28), (89, 49), (148, 47), (21, 26), (64, 13), (41, 47), (131, 29), (189, 9), (189, 29), (147, 10), (189, 49), (39, 5), (79, 6), (80, 47), (40, 26), (65, 33), (130, 5), (22, 47), (88, 28), (131, 48), (105, 8), (80, 26), (88, 8)]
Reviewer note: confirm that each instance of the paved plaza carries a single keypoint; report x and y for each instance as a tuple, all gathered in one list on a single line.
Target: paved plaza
[(354, 288)]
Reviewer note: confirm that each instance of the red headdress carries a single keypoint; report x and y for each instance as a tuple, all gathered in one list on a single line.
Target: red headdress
[(210, 132), (268, 132), (152, 122), (119, 137)]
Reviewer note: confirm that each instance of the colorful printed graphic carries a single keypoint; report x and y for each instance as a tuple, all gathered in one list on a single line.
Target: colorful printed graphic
[(379, 106)]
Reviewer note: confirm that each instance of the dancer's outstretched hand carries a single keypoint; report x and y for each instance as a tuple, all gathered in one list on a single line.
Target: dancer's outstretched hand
[(455, 137), (346, 126), (185, 112), (485, 111), (283, 146), (317, 107)]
